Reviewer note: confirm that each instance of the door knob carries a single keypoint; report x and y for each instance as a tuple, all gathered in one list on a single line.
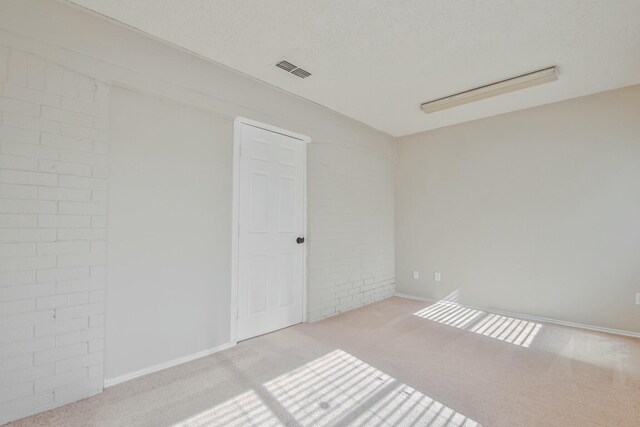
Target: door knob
[(300, 240)]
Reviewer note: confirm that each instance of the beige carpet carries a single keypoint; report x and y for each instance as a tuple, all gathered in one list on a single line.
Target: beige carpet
[(397, 362)]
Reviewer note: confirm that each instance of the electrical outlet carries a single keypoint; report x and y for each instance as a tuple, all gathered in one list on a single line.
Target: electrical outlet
[(437, 276), (416, 275), (638, 298)]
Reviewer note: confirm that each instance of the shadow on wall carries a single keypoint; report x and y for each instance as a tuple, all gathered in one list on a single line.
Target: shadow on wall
[(334, 390), (504, 328)]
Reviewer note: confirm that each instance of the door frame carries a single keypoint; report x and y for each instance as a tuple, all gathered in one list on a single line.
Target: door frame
[(235, 216)]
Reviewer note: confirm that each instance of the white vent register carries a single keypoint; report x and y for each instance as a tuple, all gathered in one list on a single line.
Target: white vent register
[(293, 69)]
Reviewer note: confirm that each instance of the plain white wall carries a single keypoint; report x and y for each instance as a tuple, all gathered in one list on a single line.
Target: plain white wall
[(169, 231), (534, 212)]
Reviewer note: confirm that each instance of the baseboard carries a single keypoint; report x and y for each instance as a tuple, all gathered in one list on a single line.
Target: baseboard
[(169, 364), (534, 318)]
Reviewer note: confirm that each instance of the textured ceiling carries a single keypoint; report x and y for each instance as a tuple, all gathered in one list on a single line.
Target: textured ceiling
[(376, 61)]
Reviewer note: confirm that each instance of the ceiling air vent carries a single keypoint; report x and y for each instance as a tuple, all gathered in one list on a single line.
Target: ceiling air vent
[(286, 65), (293, 69), (303, 74)]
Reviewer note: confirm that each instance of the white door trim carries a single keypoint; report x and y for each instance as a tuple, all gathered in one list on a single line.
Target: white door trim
[(235, 217)]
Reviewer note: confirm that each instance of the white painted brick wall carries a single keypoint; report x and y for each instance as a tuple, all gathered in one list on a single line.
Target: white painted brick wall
[(53, 170), (350, 226)]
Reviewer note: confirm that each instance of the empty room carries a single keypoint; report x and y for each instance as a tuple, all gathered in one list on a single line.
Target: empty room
[(320, 213)]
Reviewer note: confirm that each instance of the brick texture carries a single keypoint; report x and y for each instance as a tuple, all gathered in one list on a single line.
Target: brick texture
[(351, 227), (53, 218), (53, 170)]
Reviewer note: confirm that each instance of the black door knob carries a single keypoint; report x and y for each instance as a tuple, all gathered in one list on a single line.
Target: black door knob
[(300, 240)]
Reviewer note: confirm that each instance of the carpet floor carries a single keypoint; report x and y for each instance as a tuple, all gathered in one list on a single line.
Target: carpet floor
[(393, 363)]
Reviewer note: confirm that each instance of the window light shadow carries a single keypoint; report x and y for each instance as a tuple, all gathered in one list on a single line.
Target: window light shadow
[(504, 328), (452, 297), (246, 409), (337, 389)]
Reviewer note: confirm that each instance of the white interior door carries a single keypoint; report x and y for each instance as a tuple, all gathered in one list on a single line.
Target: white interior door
[(271, 231)]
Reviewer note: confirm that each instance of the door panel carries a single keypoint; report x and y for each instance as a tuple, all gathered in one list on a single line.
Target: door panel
[(286, 276), (259, 202), (287, 205), (258, 285), (271, 218)]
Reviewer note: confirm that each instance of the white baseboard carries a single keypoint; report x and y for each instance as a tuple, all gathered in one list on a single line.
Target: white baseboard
[(169, 364), (534, 318)]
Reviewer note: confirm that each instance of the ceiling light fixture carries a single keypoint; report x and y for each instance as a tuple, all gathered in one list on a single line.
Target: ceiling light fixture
[(523, 81)]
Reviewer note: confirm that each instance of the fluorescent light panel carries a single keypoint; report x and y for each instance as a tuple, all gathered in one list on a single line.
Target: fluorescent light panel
[(534, 78)]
